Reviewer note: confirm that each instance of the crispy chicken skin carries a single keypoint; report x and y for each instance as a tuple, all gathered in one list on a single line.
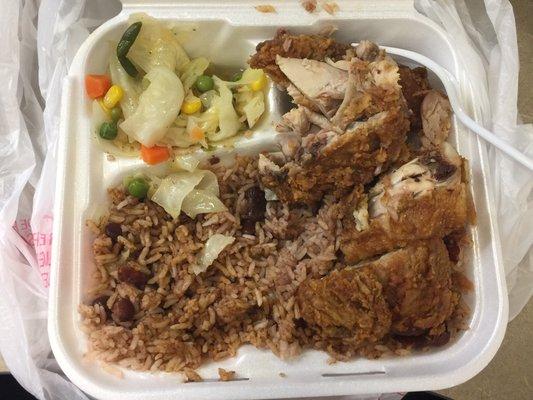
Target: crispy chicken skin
[(414, 85), (295, 46), (336, 167), (352, 120), (406, 292), (347, 306), (416, 283), (424, 198)]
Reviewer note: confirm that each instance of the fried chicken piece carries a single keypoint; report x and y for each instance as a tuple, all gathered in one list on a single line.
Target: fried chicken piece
[(436, 114), (348, 144), (329, 162), (367, 50), (414, 83), (424, 198), (295, 46), (372, 87), (417, 284), (347, 307), (406, 292)]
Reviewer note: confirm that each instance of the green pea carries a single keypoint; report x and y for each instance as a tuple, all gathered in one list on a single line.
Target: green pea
[(108, 130), (204, 83), (116, 114), (138, 187), (236, 76)]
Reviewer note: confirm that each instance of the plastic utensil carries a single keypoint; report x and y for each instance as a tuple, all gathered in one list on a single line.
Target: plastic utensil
[(450, 84)]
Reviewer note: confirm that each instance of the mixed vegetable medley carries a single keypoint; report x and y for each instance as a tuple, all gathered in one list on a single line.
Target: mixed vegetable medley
[(157, 99)]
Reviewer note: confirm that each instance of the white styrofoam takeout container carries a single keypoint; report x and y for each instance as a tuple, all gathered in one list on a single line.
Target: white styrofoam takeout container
[(227, 34)]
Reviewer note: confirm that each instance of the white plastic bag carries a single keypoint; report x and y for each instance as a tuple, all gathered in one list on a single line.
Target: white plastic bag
[(485, 37), (27, 152)]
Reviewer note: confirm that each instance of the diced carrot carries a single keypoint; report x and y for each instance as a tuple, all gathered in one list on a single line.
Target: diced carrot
[(97, 85), (154, 155), (196, 134)]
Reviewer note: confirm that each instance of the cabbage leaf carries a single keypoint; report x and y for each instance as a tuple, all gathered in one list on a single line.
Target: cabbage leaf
[(193, 192), (200, 201), (158, 107), (156, 45), (213, 247), (130, 86), (118, 147), (173, 189), (228, 119), (250, 104)]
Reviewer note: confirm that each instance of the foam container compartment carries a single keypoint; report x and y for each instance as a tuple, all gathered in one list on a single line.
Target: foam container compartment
[(227, 34)]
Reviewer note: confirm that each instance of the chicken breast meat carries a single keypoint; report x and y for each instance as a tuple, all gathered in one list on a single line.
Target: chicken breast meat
[(407, 292), (349, 125), (422, 199), (284, 44)]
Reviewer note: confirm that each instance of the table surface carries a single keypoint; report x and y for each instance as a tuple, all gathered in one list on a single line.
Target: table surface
[(509, 373)]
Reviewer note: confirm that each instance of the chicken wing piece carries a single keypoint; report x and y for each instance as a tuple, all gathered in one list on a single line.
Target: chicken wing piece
[(407, 292), (295, 46), (424, 198)]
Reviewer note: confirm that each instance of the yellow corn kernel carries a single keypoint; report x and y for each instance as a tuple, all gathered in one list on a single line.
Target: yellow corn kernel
[(259, 84), (191, 105), (113, 96), (103, 106)]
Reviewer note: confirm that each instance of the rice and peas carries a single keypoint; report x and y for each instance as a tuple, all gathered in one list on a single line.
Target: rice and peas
[(179, 319)]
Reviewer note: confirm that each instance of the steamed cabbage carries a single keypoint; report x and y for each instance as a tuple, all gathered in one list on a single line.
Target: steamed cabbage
[(204, 198), (228, 120), (254, 109), (129, 85), (251, 104), (158, 107), (156, 45), (207, 98), (200, 201), (173, 189), (213, 247), (151, 101), (186, 162), (177, 136), (249, 75), (191, 192), (206, 121), (193, 70)]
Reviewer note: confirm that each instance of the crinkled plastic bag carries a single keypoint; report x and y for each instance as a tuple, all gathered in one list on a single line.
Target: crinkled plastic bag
[(40, 40), (484, 34)]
